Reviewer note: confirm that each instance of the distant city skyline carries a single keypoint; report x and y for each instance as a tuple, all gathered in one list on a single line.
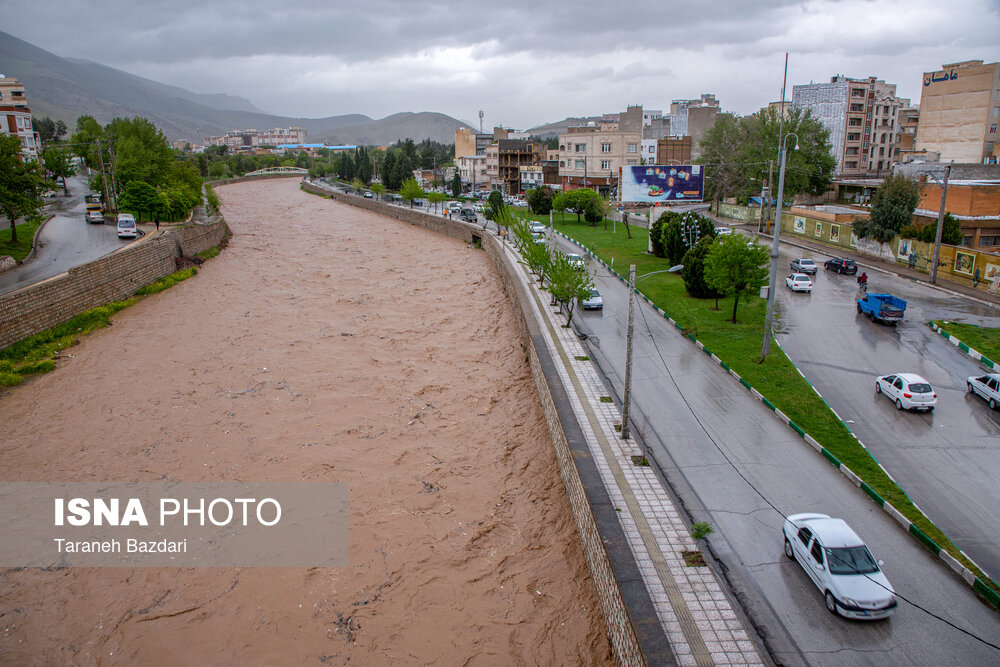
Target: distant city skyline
[(525, 64)]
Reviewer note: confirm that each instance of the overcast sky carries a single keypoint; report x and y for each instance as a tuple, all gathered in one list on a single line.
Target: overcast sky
[(522, 63)]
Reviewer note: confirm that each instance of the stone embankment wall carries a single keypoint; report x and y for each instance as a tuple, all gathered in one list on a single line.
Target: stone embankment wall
[(117, 276), (621, 632)]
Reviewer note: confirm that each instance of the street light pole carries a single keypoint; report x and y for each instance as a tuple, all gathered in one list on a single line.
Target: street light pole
[(627, 402), (773, 278), (940, 227)]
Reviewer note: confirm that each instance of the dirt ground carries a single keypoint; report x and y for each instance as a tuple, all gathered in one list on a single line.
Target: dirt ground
[(326, 343)]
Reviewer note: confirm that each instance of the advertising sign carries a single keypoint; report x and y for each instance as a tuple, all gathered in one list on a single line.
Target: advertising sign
[(663, 183)]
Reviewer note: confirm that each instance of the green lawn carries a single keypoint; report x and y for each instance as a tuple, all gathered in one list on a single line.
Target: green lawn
[(984, 341), (739, 346), (25, 234)]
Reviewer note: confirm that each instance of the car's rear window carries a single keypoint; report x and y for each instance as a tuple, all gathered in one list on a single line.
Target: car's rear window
[(126, 223), (921, 388)]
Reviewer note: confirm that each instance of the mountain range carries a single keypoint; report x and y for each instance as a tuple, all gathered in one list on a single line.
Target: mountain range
[(66, 88)]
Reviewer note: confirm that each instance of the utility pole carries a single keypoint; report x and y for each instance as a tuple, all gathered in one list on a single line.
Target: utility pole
[(770, 189), (628, 353), (940, 227), (104, 183), (773, 278)]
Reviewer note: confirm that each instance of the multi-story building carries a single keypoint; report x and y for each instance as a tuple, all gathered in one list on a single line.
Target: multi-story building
[(907, 120), (531, 177), (693, 118), (657, 128), (472, 171), (468, 142), (960, 112), (492, 155), (861, 117), (590, 156), (512, 155), (237, 140), (15, 116), (673, 150)]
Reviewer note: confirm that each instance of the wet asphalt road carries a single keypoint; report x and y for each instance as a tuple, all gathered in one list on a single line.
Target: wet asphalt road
[(733, 463), (948, 460), (67, 240)]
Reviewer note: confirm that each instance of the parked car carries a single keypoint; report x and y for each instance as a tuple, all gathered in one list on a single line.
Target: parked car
[(987, 386), (575, 261), (907, 390), (126, 226), (841, 265), (95, 217), (538, 239), (841, 566), (799, 282), (468, 214), (723, 231), (368, 195), (804, 265), (538, 228), (593, 302)]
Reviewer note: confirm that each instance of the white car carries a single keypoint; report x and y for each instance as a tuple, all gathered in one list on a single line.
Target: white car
[(538, 228), (593, 302), (538, 239), (840, 565), (799, 282), (907, 390), (723, 231), (575, 260), (126, 226), (987, 386)]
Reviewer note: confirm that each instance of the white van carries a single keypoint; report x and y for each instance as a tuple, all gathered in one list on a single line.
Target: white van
[(126, 226)]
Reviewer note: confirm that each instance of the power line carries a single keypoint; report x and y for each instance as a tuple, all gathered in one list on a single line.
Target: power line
[(772, 505)]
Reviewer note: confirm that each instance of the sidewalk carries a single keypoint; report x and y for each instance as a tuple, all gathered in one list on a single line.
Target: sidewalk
[(697, 617), (867, 262)]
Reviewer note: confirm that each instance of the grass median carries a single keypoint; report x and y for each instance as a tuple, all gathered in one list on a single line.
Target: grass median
[(25, 235), (739, 346), (983, 340)]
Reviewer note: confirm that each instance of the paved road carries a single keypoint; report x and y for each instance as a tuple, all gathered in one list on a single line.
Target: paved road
[(947, 461), (66, 240), (729, 460)]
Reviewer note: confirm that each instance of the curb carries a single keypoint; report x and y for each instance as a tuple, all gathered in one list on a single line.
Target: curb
[(985, 361), (34, 240), (963, 572)]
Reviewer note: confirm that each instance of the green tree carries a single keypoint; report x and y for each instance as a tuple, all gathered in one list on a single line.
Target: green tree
[(411, 191), (720, 150), (656, 233), (402, 170), (456, 184), (140, 197), (568, 284), (388, 166), (681, 232), (693, 272), (734, 266), (892, 207), (141, 152), (540, 200), (494, 206), (809, 162), (951, 234), (85, 139), (21, 183), (581, 201), (358, 185), (378, 189), (436, 198), (59, 162)]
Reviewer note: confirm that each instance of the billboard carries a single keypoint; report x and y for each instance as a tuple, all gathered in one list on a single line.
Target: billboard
[(663, 183)]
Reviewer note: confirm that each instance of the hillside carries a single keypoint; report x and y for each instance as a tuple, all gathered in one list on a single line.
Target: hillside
[(65, 88)]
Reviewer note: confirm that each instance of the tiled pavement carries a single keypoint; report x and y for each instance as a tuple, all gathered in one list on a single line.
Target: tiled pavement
[(698, 618)]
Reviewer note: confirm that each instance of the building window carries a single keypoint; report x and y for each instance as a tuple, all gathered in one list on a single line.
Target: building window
[(853, 136), (857, 107), (605, 164), (996, 111), (633, 148), (631, 163), (880, 163), (580, 148), (580, 164), (857, 92), (851, 165), (854, 122), (853, 150), (987, 240), (967, 241), (605, 148), (562, 164), (993, 129)]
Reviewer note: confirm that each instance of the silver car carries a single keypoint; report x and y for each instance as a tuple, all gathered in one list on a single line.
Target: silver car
[(804, 265), (593, 302)]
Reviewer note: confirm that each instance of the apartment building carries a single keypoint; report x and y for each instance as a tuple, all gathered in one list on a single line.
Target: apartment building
[(673, 150), (238, 140), (960, 112), (907, 121), (861, 117), (468, 142), (15, 116), (512, 155), (591, 155), (472, 171)]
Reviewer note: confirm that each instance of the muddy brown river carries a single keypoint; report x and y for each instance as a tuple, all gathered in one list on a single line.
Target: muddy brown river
[(326, 343)]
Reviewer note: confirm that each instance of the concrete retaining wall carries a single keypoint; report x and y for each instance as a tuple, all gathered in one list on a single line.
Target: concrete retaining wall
[(621, 632), (117, 276)]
